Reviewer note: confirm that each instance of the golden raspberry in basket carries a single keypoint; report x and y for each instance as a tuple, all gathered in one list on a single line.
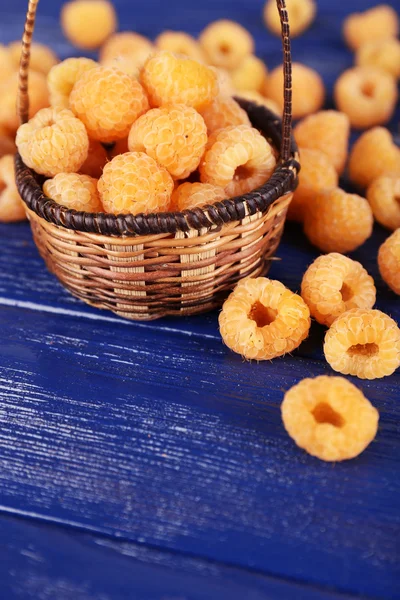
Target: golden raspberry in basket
[(11, 206), (42, 58), (377, 23), (363, 342), (96, 159), (389, 261), (226, 43), (194, 195), (384, 54), (180, 42), (62, 78), (384, 197), (77, 192), (329, 418), (301, 14), (88, 23), (250, 74), (374, 154), (262, 319), (38, 98), (224, 112), (334, 283)]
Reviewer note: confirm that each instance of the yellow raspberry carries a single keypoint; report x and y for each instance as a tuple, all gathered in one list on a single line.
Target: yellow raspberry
[(127, 51), (260, 100), (175, 136), (251, 74), (307, 85), (53, 141), (194, 195), (384, 197), (329, 418), (317, 174), (377, 23), (334, 283), (62, 78), (301, 14), (107, 101), (367, 95), (374, 154), (224, 112), (75, 191), (327, 131), (389, 261), (226, 43), (180, 42), (38, 98), (169, 79), (384, 54), (42, 58), (88, 23), (7, 65), (96, 159), (224, 80), (11, 205), (337, 221), (363, 342), (134, 183), (237, 158), (262, 319)]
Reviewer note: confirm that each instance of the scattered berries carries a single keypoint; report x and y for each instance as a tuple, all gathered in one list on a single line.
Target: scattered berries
[(96, 159), (180, 42), (260, 100), (42, 58), (128, 51), (384, 197), (251, 74), (363, 342), (175, 136), (134, 183), (237, 158), (53, 141), (367, 95), (378, 23), (62, 78), (337, 221), (88, 23), (11, 205), (301, 14), (384, 54), (262, 319), (226, 43), (224, 112), (75, 191), (329, 418), (38, 98), (334, 283), (389, 261), (373, 154), (194, 195), (107, 101)]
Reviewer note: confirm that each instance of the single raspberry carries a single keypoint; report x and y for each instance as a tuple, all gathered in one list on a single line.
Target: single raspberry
[(42, 58), (75, 191), (384, 197), (334, 283), (88, 23), (389, 261), (384, 54), (260, 100), (327, 131), (62, 78), (169, 79), (134, 183), (193, 195), (307, 88), (180, 42), (377, 23), (301, 14), (337, 221), (374, 154), (317, 174), (224, 112), (329, 418), (224, 80), (6, 62), (175, 136), (251, 74), (363, 342), (96, 159), (11, 205), (262, 319), (226, 43), (38, 98), (128, 51), (238, 158), (107, 101), (367, 95), (53, 141)]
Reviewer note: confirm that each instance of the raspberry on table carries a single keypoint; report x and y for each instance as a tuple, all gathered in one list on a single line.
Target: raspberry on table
[(170, 79), (307, 89), (7, 64), (260, 100), (329, 417), (224, 112), (250, 74), (262, 319), (338, 221), (88, 23), (374, 154), (75, 191), (53, 141), (301, 14), (237, 158), (367, 95), (363, 342), (180, 42), (96, 159), (384, 54), (62, 78), (194, 195), (226, 43), (134, 183), (38, 98), (107, 101), (126, 50), (175, 136), (389, 261), (377, 23), (42, 58), (11, 206), (334, 283), (384, 197), (317, 174), (327, 131)]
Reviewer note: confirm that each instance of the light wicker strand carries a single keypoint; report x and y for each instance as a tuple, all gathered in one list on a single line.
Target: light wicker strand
[(23, 96), (287, 82)]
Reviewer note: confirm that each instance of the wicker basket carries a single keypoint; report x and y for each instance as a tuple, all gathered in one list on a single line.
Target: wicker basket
[(149, 266)]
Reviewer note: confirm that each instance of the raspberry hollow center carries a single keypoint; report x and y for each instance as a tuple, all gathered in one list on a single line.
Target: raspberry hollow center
[(363, 350), (242, 172), (224, 48), (368, 89), (262, 315), (346, 292), (324, 413)]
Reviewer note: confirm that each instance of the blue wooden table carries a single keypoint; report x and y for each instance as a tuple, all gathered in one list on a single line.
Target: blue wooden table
[(146, 461)]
